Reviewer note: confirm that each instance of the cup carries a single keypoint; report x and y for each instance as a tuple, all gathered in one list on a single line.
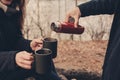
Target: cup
[(43, 59), (51, 43)]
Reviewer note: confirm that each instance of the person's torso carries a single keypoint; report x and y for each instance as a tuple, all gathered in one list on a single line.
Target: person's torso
[(9, 30), (112, 63)]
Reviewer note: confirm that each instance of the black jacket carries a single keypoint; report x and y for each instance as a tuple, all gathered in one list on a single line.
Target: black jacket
[(11, 41), (111, 68)]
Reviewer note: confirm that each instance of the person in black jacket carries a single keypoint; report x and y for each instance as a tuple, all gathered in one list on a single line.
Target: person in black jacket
[(111, 67), (16, 57)]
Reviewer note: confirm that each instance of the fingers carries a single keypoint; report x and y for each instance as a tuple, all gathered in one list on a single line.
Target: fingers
[(74, 13), (25, 64), (27, 56), (37, 41), (38, 47), (36, 44), (24, 59), (77, 16), (76, 19), (67, 17), (76, 22)]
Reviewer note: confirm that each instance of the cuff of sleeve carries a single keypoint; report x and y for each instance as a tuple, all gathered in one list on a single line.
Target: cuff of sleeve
[(30, 49), (13, 66), (82, 9), (87, 8)]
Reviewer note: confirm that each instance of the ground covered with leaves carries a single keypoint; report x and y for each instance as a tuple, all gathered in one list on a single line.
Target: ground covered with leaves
[(80, 60)]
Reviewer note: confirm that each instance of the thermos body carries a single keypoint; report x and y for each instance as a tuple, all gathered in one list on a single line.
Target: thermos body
[(65, 27)]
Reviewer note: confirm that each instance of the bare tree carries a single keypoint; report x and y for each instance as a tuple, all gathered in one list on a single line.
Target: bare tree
[(38, 18), (100, 32), (75, 2)]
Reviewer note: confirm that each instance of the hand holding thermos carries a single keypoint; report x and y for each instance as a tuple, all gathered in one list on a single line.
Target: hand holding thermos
[(70, 25)]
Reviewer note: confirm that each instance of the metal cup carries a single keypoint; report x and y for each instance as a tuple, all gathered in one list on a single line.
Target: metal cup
[(51, 43), (43, 59)]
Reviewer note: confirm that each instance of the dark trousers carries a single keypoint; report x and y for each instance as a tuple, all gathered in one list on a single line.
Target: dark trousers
[(22, 74)]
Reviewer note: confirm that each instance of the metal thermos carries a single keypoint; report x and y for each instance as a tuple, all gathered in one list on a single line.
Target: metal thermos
[(66, 27)]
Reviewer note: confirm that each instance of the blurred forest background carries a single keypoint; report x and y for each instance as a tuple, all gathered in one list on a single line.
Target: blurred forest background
[(40, 14)]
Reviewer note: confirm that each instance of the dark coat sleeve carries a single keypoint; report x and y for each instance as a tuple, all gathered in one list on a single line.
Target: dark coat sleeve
[(7, 58), (23, 45), (7, 61), (95, 7)]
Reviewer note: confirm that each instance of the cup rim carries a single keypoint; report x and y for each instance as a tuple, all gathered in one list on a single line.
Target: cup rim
[(43, 49), (49, 39)]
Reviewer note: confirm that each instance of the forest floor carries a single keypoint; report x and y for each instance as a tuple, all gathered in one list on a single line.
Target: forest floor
[(80, 57)]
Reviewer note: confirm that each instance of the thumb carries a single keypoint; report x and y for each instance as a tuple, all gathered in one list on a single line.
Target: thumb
[(76, 22)]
